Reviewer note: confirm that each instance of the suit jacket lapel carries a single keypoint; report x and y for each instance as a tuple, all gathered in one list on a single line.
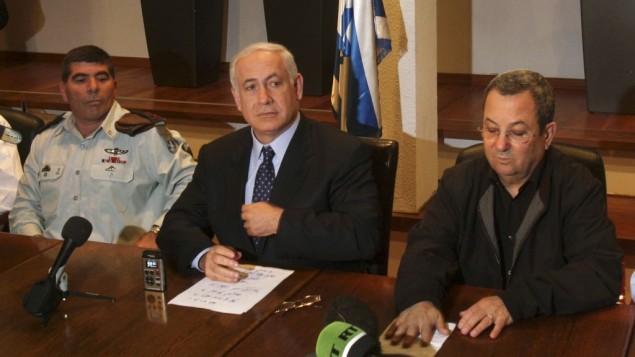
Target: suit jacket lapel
[(235, 180), (295, 165)]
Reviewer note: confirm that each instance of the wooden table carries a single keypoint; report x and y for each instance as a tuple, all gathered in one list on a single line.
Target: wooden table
[(606, 332), (296, 332), (83, 326), (135, 326), (15, 249)]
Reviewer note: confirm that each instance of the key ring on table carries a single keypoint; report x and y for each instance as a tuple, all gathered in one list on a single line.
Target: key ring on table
[(308, 300)]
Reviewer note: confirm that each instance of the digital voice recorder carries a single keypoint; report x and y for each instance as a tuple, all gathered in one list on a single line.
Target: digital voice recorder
[(154, 277)]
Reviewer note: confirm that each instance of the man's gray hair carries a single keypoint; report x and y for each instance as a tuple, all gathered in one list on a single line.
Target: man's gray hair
[(287, 58)]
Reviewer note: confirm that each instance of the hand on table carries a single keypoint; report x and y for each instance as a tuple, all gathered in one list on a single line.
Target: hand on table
[(220, 264), (419, 319), (485, 313)]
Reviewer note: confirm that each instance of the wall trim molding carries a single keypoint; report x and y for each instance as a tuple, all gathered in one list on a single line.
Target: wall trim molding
[(484, 79), (58, 57)]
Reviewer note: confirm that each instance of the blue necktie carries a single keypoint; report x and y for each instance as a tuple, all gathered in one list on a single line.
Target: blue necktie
[(264, 180)]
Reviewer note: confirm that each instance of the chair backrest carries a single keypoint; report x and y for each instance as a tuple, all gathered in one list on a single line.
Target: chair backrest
[(27, 124), (588, 157), (385, 154)]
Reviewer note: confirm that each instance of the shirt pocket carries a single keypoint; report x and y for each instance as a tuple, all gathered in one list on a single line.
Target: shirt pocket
[(50, 172), (112, 172)]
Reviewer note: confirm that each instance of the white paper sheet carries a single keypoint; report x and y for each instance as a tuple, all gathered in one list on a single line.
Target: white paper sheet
[(233, 298), (416, 350), (438, 338)]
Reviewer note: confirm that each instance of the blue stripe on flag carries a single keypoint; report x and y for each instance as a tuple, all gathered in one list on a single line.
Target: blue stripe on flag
[(362, 34)]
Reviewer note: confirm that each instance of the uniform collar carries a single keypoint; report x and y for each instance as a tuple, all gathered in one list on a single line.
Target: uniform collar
[(107, 126)]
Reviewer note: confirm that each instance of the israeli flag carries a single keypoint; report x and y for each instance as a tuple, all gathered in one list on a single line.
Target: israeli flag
[(363, 40)]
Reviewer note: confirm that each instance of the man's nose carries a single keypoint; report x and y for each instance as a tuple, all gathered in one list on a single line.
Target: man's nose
[(264, 96), (92, 84), (502, 142)]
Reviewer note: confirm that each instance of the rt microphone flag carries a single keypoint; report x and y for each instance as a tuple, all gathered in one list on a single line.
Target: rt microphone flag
[(350, 330), (345, 340)]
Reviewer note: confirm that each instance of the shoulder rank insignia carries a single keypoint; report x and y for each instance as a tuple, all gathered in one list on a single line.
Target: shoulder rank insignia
[(137, 122), (51, 124)]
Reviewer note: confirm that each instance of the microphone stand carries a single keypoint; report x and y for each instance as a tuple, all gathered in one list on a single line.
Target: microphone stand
[(63, 286), (61, 290), (70, 293)]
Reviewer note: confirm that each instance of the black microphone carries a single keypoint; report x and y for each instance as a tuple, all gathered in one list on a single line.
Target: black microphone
[(9, 135), (45, 294), (75, 233), (351, 330)]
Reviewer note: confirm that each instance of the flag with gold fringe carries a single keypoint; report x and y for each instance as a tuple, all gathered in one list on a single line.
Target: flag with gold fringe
[(363, 40)]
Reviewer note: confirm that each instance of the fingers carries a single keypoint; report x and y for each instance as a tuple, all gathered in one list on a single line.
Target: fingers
[(489, 312), (427, 331), (402, 333), (221, 263), (498, 327), (261, 219), (478, 326), (441, 326), (419, 320)]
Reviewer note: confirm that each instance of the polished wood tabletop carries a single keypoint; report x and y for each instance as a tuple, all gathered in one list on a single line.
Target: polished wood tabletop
[(22, 248), (296, 332), (132, 325), (606, 332), (142, 323)]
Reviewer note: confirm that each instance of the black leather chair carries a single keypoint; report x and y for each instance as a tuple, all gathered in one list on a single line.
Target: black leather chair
[(385, 154), (588, 157), (27, 124)]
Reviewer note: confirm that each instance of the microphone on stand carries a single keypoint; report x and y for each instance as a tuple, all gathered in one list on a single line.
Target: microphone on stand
[(9, 135), (45, 294), (351, 330), (75, 233)]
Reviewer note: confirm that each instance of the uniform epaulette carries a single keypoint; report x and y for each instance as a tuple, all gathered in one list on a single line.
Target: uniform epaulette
[(137, 122), (51, 124)]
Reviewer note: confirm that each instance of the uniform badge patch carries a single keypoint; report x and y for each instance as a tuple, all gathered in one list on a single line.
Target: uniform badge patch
[(115, 159)]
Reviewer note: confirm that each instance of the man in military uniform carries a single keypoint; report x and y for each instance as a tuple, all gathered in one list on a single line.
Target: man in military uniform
[(120, 170)]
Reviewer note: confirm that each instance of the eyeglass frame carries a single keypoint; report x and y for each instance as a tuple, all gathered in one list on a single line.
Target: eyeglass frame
[(526, 137), (308, 300)]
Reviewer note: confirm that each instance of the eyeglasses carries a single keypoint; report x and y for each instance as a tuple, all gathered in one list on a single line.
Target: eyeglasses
[(308, 300), (518, 136)]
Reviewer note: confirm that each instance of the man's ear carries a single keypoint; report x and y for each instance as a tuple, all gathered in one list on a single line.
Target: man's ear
[(550, 133), (299, 86)]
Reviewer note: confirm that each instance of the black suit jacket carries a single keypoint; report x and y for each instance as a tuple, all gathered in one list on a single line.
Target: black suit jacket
[(324, 184)]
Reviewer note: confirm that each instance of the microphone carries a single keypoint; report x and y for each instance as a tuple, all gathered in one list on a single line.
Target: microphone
[(9, 135), (75, 233), (350, 330), (45, 294)]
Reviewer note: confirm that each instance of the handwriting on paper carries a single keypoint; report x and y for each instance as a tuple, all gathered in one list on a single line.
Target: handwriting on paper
[(233, 298)]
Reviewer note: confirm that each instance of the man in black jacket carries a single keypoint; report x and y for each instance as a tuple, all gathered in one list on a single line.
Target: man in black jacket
[(323, 210), (524, 219)]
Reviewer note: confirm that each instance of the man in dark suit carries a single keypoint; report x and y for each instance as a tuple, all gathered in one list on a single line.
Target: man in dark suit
[(524, 219), (323, 210)]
